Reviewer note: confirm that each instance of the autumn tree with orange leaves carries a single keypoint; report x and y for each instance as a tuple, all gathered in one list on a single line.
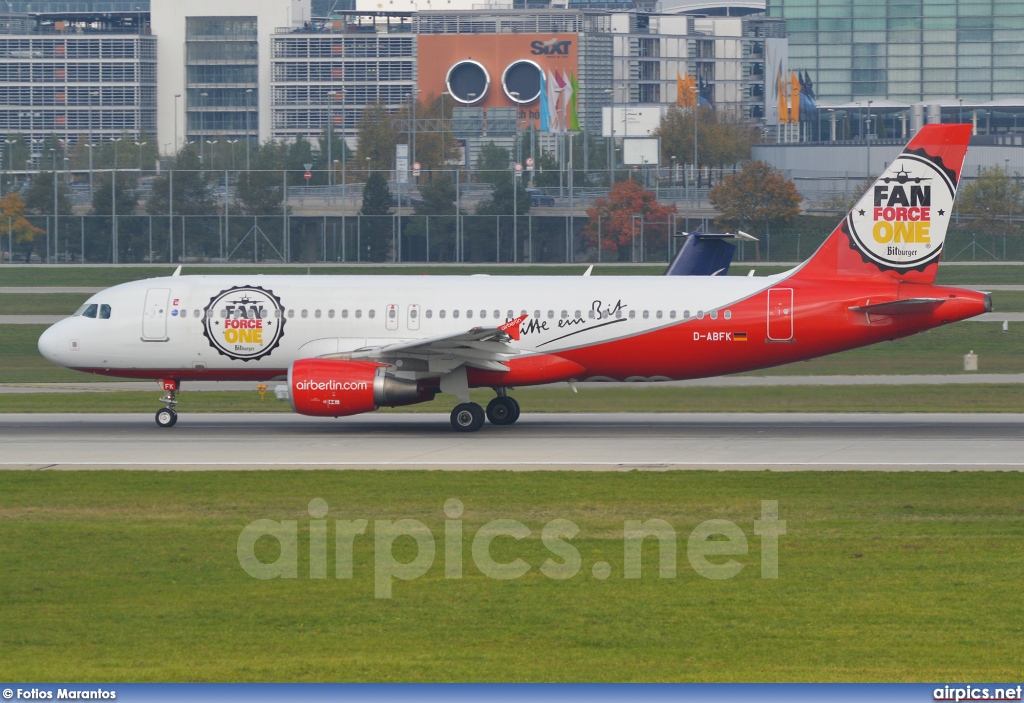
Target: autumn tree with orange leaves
[(757, 198), (13, 224), (615, 213)]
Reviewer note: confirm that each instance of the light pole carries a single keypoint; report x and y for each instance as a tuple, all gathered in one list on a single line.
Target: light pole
[(113, 205), (212, 143), (202, 125), (444, 132), (960, 119), (10, 162), (867, 140), (140, 145), (232, 142), (248, 138), (56, 211), (176, 96), (330, 136), (611, 150)]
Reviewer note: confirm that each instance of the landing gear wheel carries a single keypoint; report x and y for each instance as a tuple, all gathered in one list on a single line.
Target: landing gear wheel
[(166, 417), (502, 411), (467, 417), (515, 404)]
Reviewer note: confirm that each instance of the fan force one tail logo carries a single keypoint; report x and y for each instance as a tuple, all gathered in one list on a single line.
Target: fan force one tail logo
[(901, 223), (246, 322)]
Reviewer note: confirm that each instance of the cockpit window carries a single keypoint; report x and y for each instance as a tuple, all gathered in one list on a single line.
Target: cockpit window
[(104, 312), (90, 311), (80, 311)]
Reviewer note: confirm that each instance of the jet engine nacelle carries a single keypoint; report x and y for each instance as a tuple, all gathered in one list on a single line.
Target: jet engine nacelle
[(328, 388)]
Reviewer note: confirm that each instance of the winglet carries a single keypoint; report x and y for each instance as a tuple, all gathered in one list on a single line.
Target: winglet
[(177, 271), (511, 328)]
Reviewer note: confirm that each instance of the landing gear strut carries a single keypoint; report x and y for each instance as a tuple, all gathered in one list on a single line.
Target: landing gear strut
[(166, 416)]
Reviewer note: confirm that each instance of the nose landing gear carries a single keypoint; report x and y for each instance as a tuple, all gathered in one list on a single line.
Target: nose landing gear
[(166, 416)]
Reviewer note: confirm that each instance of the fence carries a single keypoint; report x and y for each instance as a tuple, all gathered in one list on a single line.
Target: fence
[(413, 238)]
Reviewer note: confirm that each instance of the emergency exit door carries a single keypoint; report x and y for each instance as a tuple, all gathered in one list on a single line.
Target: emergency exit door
[(780, 314), (154, 315)]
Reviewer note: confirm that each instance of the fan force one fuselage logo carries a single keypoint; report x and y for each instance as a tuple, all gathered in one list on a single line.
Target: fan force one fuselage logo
[(246, 322), (901, 222)]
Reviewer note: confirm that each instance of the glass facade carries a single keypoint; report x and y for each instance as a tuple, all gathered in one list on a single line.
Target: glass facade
[(907, 50), (221, 78)]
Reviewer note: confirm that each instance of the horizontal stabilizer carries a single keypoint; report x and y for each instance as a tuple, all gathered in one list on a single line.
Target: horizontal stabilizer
[(900, 307)]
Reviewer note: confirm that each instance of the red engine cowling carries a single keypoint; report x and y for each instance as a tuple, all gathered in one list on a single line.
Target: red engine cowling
[(335, 388)]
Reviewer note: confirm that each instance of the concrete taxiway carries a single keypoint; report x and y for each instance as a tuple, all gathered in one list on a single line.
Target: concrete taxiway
[(599, 442)]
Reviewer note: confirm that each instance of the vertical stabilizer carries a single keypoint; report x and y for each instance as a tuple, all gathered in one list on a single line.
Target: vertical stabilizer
[(898, 227)]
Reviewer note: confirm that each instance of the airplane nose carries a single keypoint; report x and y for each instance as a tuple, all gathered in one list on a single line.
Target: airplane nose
[(49, 344)]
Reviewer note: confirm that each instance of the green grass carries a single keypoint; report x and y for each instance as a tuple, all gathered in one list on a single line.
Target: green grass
[(41, 303), (1008, 301), (133, 576), (1002, 398)]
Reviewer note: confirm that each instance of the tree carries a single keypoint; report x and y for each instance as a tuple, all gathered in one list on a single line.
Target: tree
[(39, 196), (437, 204), (193, 188), (619, 230), (994, 200), (376, 139), (494, 165), (128, 228), (720, 139), (375, 227), (756, 198), (20, 230), (261, 190), (340, 153)]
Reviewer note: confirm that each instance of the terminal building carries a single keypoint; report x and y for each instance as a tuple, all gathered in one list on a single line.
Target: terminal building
[(86, 77)]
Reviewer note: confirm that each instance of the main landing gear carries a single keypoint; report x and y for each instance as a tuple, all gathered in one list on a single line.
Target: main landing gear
[(166, 416), (502, 410)]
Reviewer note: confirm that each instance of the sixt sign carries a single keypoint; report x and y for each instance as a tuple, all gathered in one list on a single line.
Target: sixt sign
[(551, 47)]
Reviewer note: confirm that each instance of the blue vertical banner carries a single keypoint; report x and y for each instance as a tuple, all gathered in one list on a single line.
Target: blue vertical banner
[(545, 109)]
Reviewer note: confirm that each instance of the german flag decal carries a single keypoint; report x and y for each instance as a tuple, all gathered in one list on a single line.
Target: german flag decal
[(739, 336)]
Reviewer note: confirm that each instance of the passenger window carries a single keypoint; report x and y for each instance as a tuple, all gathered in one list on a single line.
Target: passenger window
[(277, 313), (372, 313), (658, 314), (714, 314), (647, 314), (413, 314), (455, 314), (510, 314), (700, 314), (392, 314), (672, 314), (483, 315), (565, 314), (344, 314), (618, 314), (316, 314), (430, 314), (632, 314), (264, 314), (330, 314), (590, 314), (469, 314), (579, 315), (441, 314), (551, 314), (497, 314), (305, 313), (536, 313), (224, 313), (90, 311), (198, 313), (686, 314), (359, 313), (728, 314), (104, 312), (291, 312)]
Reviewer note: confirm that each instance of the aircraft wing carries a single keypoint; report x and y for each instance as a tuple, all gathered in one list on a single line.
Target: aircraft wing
[(480, 347)]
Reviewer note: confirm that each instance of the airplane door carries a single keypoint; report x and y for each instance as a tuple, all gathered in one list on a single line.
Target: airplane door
[(413, 319), (391, 319), (780, 314), (154, 315)]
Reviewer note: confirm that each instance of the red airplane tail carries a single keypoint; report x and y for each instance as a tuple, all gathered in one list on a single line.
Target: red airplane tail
[(897, 229)]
